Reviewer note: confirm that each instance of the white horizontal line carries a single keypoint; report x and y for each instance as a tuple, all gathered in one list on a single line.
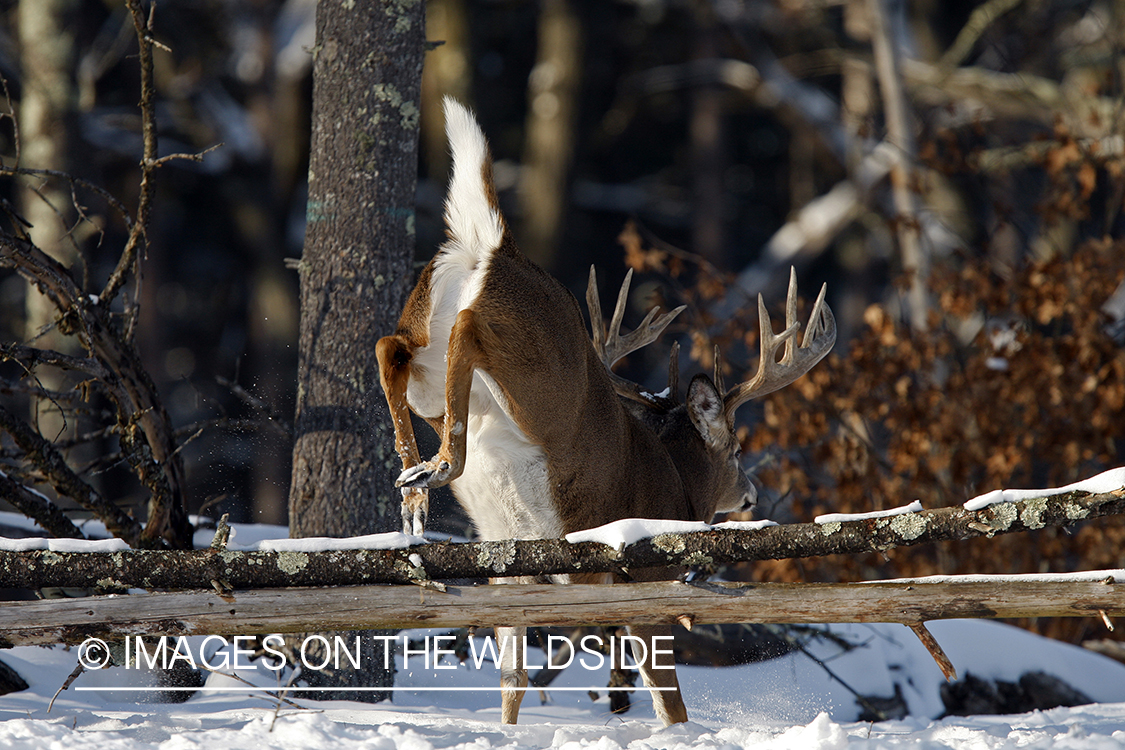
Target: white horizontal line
[(367, 689)]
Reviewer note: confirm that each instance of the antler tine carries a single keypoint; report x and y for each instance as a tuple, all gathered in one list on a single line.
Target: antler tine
[(614, 333), (790, 318), (611, 346), (772, 373), (817, 320), (594, 306), (674, 372), (718, 370)]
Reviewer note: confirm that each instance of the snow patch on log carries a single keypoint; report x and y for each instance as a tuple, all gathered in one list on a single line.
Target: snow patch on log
[(62, 545), (388, 540), (914, 507), (1107, 481), (620, 534)]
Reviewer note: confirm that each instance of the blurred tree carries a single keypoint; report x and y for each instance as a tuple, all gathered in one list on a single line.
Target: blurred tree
[(552, 95), (355, 274), (46, 122)]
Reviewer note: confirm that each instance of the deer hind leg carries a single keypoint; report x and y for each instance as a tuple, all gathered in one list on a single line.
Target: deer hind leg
[(394, 354), (513, 671), (465, 354), (660, 672)]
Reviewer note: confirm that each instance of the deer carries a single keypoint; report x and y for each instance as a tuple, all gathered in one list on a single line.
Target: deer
[(539, 438)]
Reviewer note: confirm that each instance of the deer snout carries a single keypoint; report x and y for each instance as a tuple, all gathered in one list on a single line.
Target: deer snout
[(749, 492), (750, 496)]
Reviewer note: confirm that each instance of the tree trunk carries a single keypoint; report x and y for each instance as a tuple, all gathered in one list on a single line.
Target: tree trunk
[(552, 93), (705, 130), (46, 114), (46, 118), (355, 273), (449, 72), (900, 133)]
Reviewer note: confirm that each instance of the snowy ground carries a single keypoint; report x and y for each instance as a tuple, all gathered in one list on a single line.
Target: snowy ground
[(788, 702)]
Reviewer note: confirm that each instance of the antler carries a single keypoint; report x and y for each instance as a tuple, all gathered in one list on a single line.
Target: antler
[(773, 373), (610, 345)]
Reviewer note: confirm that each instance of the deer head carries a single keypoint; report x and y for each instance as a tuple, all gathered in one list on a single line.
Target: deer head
[(699, 433)]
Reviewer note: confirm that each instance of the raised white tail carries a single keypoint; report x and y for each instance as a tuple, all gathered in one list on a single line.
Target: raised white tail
[(471, 214)]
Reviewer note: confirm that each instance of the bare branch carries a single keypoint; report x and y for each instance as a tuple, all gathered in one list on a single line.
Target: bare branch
[(139, 231), (269, 415), (74, 182), (935, 649), (900, 132), (146, 433), (30, 358), (11, 115), (11, 388), (39, 508), (42, 454), (982, 17), (197, 157)]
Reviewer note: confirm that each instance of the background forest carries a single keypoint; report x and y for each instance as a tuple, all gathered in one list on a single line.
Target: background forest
[(954, 170)]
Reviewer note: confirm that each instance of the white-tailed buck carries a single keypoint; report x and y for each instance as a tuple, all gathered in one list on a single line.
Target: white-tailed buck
[(538, 437)]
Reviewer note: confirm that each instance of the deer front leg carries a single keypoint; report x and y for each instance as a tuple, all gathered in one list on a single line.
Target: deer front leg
[(465, 354), (394, 354), (660, 672)]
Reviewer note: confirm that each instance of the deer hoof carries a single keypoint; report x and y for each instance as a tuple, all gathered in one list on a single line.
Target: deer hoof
[(428, 474)]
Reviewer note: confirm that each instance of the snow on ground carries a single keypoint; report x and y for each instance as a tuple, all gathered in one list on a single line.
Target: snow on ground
[(789, 702), (792, 702)]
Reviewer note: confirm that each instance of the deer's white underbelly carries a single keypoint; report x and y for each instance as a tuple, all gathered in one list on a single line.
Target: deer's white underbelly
[(504, 488), (459, 273)]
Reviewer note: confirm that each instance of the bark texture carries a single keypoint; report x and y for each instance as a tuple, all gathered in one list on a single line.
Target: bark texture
[(355, 271), (449, 561), (356, 267), (668, 602)]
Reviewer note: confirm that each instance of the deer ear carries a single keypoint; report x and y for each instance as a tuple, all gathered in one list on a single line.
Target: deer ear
[(705, 408)]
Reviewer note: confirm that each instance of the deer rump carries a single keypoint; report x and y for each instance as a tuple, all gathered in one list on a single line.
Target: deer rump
[(538, 437)]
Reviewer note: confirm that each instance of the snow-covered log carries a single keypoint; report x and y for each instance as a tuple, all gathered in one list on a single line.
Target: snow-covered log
[(311, 562)]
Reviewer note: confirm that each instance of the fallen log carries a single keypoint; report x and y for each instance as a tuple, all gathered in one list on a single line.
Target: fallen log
[(375, 607), (232, 569)]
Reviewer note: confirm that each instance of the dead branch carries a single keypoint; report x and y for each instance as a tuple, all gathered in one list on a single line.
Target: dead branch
[(981, 18), (12, 388), (447, 560), (991, 94), (41, 453), (269, 415), (1004, 158), (146, 434), (1013, 95), (30, 357), (935, 649), (39, 508), (74, 182), (139, 231)]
